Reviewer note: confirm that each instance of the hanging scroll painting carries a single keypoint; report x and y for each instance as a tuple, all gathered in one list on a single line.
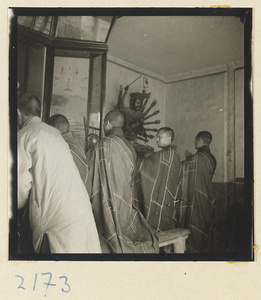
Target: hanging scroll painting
[(70, 91)]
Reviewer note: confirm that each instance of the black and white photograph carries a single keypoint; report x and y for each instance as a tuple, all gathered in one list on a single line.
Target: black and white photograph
[(131, 134)]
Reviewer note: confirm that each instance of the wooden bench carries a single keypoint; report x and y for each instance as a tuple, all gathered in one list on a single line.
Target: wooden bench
[(176, 236)]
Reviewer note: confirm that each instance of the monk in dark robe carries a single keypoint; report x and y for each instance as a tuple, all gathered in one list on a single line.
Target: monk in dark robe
[(196, 211), (76, 145), (158, 183), (121, 227)]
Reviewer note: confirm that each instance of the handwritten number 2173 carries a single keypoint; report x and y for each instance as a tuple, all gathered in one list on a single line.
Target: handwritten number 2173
[(65, 290)]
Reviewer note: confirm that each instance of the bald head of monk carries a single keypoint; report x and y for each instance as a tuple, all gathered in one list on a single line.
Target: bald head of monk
[(203, 138), (60, 122), (28, 106), (165, 137), (113, 119)]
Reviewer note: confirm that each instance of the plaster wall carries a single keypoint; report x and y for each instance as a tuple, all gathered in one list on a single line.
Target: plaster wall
[(195, 105), (202, 101)]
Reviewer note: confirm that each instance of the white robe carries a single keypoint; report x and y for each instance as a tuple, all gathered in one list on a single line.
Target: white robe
[(58, 201)]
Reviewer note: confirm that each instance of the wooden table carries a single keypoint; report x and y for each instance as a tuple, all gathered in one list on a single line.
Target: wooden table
[(176, 236)]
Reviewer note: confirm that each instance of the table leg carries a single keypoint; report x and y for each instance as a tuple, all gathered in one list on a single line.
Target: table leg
[(180, 244)]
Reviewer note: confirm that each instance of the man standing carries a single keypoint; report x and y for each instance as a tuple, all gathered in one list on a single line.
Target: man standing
[(76, 145), (158, 183), (121, 227), (60, 211), (197, 208)]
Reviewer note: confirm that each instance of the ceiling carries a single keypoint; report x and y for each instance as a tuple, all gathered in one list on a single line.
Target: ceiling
[(169, 45)]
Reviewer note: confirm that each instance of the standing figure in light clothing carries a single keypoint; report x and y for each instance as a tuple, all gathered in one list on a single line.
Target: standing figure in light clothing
[(61, 216)]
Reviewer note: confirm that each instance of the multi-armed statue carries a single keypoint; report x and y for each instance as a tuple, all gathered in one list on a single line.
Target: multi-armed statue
[(136, 115)]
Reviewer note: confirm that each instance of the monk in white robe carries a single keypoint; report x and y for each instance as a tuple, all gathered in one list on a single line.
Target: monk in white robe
[(48, 178)]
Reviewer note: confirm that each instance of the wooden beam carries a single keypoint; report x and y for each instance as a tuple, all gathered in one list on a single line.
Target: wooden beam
[(230, 125)]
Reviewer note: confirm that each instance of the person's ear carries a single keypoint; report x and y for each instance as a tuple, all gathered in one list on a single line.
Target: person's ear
[(18, 112), (108, 124), (19, 118)]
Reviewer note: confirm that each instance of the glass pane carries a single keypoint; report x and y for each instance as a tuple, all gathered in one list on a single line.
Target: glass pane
[(43, 24), (21, 59), (36, 70), (70, 91), (83, 27), (25, 20)]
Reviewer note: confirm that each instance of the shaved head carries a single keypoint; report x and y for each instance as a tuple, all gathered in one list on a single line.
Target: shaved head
[(168, 131), (60, 122), (206, 136), (203, 138), (164, 137), (113, 119), (29, 105)]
